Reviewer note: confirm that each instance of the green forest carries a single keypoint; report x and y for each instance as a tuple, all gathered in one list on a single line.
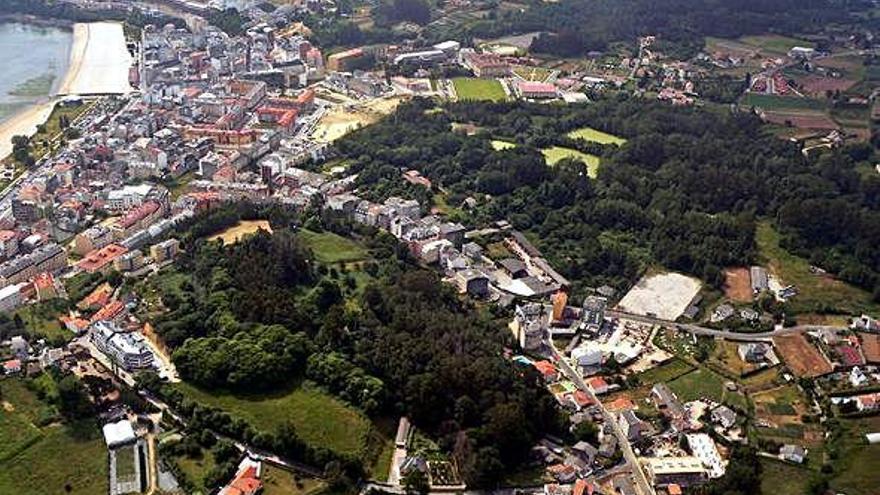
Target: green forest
[(685, 191), (262, 313)]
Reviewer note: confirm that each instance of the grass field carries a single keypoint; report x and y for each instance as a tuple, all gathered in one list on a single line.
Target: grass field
[(42, 319), (590, 134), (858, 466), (780, 478), (277, 481), (702, 383), (332, 248), (59, 458), (555, 154), (320, 419), (195, 468), (817, 293), (478, 89), (666, 372), (773, 102)]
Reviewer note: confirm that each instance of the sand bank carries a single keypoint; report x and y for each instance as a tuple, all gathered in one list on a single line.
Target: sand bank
[(24, 123), (99, 60)]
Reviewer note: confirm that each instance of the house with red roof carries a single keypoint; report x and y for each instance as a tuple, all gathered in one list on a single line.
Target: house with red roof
[(598, 384), (109, 312), (12, 366), (246, 481), (547, 370)]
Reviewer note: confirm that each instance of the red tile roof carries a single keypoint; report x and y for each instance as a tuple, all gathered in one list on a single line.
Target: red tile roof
[(99, 258)]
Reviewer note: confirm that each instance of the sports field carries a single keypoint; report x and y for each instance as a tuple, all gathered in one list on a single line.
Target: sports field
[(468, 88), (777, 44), (596, 136)]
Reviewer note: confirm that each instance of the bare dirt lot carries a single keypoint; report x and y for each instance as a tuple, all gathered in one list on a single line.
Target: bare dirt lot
[(737, 285), (871, 347), (801, 357), (241, 230)]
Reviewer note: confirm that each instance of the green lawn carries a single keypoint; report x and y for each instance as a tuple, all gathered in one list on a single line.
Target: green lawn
[(55, 459), (277, 481), (780, 478), (555, 154), (319, 418), (817, 293), (596, 136), (332, 248), (468, 88)]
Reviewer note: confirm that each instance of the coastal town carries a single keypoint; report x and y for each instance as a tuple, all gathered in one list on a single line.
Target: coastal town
[(156, 131)]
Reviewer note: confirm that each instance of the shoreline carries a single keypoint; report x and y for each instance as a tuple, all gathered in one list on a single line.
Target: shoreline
[(25, 123)]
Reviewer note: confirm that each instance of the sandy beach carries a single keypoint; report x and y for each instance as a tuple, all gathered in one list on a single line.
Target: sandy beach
[(99, 61), (25, 123)]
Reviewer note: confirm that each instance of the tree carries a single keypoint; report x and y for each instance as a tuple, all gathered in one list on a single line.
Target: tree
[(73, 400)]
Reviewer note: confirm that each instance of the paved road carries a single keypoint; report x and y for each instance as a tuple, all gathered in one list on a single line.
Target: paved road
[(711, 332), (642, 484)]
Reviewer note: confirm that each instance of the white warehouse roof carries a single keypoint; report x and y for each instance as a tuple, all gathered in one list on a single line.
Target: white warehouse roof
[(119, 433)]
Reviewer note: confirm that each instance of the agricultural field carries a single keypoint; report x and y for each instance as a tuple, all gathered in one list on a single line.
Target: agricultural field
[(782, 103), (666, 372), (47, 460), (737, 284), (780, 410), (555, 154), (332, 248), (595, 136), (775, 44), (241, 230), (816, 291), (467, 88), (801, 357), (319, 418)]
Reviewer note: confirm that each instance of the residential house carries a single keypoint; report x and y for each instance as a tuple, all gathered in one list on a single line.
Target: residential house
[(472, 282), (667, 401), (753, 352), (793, 453), (631, 424)]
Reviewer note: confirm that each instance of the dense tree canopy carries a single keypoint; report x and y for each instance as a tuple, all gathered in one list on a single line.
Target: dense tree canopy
[(684, 191)]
